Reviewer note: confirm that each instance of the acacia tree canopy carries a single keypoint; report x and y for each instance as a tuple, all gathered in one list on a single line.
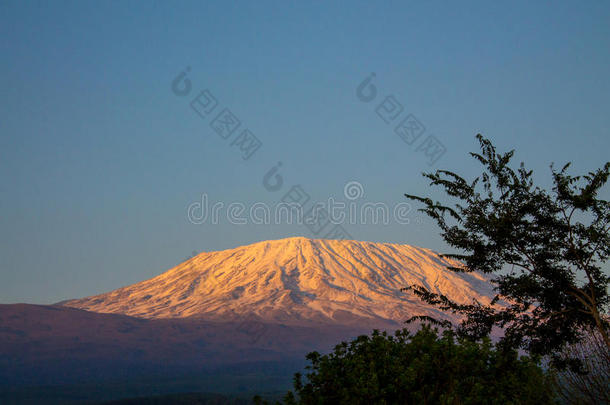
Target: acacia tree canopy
[(543, 249)]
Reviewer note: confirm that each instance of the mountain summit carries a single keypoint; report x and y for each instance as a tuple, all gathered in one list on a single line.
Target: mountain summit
[(295, 281)]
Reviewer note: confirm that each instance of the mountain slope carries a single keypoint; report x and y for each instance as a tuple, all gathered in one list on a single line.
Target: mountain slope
[(76, 356), (296, 280)]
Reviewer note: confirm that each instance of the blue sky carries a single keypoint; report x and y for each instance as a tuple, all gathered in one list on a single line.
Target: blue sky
[(99, 159)]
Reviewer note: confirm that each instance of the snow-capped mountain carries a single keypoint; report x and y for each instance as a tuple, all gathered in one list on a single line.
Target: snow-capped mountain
[(296, 281)]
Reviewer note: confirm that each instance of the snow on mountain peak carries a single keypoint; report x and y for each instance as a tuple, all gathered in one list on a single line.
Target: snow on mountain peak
[(296, 280)]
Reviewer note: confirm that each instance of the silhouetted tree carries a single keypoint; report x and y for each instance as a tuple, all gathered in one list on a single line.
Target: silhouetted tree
[(543, 249), (589, 385)]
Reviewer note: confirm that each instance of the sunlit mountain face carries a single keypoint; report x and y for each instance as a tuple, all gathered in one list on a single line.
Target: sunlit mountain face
[(296, 281), (244, 317)]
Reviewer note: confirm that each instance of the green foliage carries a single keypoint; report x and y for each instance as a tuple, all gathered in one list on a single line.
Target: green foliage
[(423, 368), (543, 249)]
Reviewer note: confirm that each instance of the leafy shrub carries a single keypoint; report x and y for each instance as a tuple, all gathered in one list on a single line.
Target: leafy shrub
[(420, 368)]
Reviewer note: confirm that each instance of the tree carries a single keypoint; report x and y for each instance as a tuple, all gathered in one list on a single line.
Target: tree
[(591, 384), (423, 368), (544, 252)]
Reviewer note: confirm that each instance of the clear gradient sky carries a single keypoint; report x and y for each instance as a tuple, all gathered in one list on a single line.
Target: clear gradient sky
[(99, 159)]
